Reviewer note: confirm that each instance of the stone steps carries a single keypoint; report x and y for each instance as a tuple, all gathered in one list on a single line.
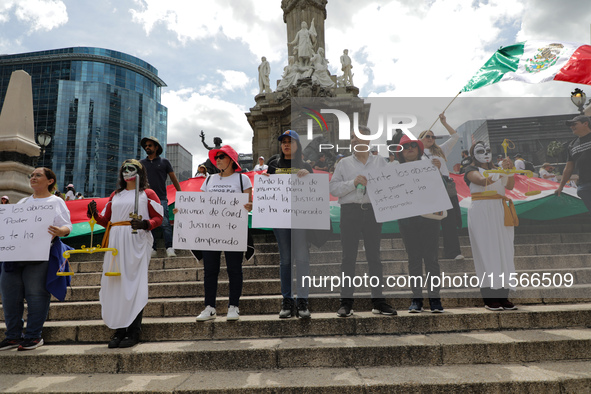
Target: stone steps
[(466, 319), (475, 347), (544, 346), (538, 377)]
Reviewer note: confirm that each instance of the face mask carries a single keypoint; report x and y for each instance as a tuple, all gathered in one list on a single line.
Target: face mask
[(129, 172), (482, 153)]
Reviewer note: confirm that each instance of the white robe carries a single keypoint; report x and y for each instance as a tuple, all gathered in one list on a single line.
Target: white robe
[(491, 241), (123, 297)]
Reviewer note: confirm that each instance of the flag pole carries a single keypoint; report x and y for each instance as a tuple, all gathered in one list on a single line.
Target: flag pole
[(452, 100)]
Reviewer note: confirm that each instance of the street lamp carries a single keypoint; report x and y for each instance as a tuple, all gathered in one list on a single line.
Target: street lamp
[(578, 98), (43, 139)]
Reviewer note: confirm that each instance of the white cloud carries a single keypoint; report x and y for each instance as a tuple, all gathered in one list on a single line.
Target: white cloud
[(189, 112), (234, 79), (40, 14), (258, 24)]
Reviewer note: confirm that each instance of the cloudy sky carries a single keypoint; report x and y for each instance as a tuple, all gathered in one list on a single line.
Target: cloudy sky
[(208, 52)]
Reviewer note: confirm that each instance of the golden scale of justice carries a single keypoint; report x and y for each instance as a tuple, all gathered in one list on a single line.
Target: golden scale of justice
[(513, 170), (84, 249)]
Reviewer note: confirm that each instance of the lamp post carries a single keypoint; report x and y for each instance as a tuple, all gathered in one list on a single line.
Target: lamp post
[(43, 139), (578, 98)]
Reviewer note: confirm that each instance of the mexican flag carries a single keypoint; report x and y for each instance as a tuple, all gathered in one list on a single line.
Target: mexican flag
[(536, 62)]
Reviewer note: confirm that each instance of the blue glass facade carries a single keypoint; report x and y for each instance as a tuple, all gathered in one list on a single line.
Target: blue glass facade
[(97, 104)]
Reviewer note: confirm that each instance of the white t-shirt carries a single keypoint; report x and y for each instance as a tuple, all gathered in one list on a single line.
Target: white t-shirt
[(228, 184), (544, 172), (259, 167), (62, 214), (519, 164)]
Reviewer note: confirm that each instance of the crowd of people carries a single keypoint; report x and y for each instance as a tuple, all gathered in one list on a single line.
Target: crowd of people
[(139, 205)]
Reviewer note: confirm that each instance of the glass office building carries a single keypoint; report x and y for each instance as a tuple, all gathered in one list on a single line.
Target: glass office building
[(97, 104)]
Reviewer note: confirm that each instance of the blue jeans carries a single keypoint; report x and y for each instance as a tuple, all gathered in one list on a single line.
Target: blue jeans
[(584, 192), (166, 227), (211, 268), (293, 247), (26, 281)]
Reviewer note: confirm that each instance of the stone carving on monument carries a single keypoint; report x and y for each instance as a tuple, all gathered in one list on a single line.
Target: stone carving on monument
[(264, 71), (347, 78), (321, 76), (18, 151), (305, 75)]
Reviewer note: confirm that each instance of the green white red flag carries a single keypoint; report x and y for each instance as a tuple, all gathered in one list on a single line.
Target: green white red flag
[(536, 62)]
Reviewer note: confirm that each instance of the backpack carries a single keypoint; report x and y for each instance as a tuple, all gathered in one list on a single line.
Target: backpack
[(529, 166)]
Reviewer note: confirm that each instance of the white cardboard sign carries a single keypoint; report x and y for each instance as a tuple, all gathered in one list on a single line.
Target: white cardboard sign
[(400, 191), (211, 221), (24, 231), (286, 201)]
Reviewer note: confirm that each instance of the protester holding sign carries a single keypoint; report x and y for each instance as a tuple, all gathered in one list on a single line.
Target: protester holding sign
[(421, 239), (358, 220), (124, 297), (450, 224), (228, 180), (490, 225), (26, 280), (293, 243)]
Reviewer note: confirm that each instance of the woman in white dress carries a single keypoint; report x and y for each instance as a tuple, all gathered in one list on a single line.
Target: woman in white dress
[(491, 227), (124, 297), (449, 225)]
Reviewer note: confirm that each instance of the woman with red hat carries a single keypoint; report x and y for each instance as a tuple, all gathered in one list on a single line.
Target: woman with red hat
[(228, 180), (421, 238)]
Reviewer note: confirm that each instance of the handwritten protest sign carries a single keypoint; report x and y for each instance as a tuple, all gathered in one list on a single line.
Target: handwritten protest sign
[(286, 201), (405, 190), (211, 221), (23, 231)]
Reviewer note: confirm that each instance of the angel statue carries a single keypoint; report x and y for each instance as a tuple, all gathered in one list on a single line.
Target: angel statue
[(304, 41)]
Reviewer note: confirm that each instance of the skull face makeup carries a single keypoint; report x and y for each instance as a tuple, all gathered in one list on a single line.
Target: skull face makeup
[(129, 171), (482, 153)]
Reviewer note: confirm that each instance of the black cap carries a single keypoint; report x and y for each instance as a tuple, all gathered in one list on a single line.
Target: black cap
[(579, 118)]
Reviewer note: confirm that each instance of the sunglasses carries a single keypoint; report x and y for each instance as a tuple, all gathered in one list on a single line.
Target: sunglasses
[(220, 157), (411, 145), (429, 137)]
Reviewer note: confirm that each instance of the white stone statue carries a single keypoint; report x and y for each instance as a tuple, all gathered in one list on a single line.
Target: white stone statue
[(304, 41), (346, 67), (290, 75), (321, 75), (264, 71)]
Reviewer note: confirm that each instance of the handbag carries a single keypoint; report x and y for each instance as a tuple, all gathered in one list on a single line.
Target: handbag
[(450, 186)]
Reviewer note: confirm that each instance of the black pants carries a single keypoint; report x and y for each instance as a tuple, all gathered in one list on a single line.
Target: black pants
[(449, 226), (493, 295), (421, 241), (358, 221)]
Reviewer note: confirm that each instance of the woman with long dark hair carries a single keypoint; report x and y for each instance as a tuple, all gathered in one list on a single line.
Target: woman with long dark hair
[(491, 226), (124, 297), (420, 236), (26, 280), (450, 224), (293, 243)]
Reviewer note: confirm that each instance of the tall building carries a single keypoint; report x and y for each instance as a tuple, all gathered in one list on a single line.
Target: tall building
[(97, 104), (181, 161)]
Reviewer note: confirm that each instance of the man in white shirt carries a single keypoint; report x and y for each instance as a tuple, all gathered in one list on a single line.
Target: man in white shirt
[(261, 166), (357, 221), (519, 162)]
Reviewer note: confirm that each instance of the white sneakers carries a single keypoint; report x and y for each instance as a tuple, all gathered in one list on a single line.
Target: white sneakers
[(170, 252), (207, 314), (459, 257), (154, 253), (233, 313)]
